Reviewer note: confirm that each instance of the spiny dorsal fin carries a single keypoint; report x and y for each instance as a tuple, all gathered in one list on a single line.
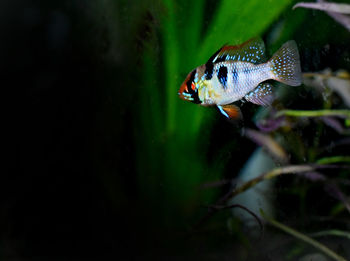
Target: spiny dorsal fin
[(250, 51)]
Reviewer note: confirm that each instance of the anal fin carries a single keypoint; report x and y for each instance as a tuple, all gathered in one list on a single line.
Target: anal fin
[(261, 95), (230, 111)]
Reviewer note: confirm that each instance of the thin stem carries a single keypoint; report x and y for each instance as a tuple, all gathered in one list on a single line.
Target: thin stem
[(292, 169), (304, 238), (247, 185), (332, 232), (271, 174), (218, 207), (335, 159), (318, 113)]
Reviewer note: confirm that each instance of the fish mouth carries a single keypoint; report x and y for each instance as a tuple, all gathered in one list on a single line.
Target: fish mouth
[(183, 91), (185, 96), (190, 97)]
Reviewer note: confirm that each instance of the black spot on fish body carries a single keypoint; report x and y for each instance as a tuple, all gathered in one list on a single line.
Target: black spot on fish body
[(209, 67), (222, 76)]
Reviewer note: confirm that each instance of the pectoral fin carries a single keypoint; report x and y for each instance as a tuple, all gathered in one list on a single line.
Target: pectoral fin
[(230, 111)]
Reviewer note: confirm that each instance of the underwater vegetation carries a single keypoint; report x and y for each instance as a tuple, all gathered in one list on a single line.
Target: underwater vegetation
[(110, 162), (177, 131), (306, 132)]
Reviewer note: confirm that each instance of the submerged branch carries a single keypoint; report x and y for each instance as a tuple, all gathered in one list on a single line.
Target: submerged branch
[(304, 238)]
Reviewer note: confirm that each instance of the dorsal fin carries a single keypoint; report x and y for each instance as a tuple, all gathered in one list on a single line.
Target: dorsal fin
[(252, 51)]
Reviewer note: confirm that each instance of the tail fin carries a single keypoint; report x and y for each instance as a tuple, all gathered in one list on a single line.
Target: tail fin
[(285, 64)]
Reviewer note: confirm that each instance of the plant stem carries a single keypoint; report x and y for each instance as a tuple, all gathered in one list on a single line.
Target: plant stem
[(304, 238), (318, 113), (271, 174), (335, 159), (332, 232)]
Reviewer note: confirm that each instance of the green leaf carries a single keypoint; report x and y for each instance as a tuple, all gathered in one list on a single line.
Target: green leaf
[(174, 143), (239, 20)]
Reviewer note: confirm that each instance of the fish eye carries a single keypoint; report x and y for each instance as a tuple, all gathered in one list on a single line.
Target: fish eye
[(192, 92), (188, 90), (191, 88)]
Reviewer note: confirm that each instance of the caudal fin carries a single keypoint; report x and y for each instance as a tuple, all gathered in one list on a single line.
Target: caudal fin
[(285, 64)]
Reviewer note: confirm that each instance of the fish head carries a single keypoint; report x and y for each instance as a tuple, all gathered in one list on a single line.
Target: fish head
[(190, 87)]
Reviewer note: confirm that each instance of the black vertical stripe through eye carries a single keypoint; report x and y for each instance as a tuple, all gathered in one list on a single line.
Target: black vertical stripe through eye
[(189, 82), (196, 98), (222, 76)]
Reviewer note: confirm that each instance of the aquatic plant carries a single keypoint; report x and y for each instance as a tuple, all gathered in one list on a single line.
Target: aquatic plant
[(175, 135), (339, 11), (172, 150)]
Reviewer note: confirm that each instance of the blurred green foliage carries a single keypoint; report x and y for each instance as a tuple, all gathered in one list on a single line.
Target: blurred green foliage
[(173, 137), (173, 144)]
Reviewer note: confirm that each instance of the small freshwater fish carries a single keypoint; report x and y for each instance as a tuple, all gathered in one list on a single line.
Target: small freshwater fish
[(238, 72)]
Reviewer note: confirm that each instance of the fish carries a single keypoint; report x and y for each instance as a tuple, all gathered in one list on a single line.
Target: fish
[(240, 73)]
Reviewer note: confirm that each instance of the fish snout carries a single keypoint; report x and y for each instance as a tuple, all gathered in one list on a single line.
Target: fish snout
[(183, 91)]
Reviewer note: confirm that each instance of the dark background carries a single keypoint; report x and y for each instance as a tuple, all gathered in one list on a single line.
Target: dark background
[(69, 180), (70, 190)]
